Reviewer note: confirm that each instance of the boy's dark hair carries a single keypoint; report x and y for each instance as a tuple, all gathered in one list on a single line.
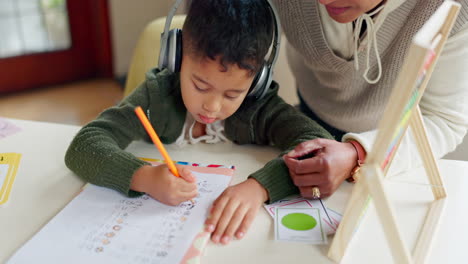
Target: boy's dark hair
[(239, 31)]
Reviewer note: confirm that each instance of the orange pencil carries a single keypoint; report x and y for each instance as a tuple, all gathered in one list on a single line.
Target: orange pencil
[(157, 142)]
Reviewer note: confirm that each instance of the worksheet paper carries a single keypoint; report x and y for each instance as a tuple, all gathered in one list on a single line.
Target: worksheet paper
[(102, 226)]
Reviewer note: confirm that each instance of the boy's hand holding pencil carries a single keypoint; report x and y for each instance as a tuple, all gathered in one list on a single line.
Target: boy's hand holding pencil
[(159, 181)]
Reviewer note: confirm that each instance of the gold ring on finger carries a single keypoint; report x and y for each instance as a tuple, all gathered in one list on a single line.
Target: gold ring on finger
[(315, 192)]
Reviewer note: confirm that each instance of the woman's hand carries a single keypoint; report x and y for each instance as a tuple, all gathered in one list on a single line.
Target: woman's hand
[(234, 211), (331, 163)]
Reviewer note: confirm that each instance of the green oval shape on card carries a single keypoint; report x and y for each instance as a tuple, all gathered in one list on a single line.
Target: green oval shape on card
[(299, 221)]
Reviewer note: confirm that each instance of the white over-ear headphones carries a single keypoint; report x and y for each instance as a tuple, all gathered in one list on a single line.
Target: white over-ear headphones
[(170, 55)]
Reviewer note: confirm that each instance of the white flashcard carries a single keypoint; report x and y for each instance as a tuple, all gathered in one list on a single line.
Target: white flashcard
[(330, 218), (299, 225)]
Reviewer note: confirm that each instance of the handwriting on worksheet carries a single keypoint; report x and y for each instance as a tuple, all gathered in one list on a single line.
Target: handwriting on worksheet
[(101, 225), (161, 234)]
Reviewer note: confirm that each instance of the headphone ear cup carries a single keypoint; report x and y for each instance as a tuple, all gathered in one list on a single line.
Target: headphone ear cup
[(163, 54), (172, 58), (261, 82), (178, 52)]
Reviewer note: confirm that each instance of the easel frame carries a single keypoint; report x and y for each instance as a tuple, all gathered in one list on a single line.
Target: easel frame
[(402, 110)]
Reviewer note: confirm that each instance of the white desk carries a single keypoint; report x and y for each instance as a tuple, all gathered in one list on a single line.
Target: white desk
[(44, 186)]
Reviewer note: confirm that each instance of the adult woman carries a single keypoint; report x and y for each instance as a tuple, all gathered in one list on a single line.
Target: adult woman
[(345, 56)]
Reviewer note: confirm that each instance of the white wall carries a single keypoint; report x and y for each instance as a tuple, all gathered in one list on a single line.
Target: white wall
[(127, 20), (282, 75), (461, 153)]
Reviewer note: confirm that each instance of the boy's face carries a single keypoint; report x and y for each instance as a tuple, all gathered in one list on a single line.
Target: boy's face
[(345, 11), (209, 93)]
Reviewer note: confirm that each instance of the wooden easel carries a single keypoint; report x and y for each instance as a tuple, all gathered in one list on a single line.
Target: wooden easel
[(402, 110)]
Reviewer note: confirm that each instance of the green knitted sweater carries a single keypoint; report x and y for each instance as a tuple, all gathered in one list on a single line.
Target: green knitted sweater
[(97, 153)]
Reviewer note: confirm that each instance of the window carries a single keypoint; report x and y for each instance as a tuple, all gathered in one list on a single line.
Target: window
[(32, 26), (47, 42)]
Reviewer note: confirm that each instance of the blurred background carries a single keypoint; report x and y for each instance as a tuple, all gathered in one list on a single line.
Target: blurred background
[(65, 61)]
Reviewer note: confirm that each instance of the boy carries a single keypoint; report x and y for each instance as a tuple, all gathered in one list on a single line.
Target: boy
[(224, 45)]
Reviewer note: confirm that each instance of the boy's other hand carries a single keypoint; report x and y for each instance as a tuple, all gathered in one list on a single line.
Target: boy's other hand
[(159, 183), (234, 210)]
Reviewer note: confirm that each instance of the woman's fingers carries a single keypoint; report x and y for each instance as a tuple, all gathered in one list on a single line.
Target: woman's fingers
[(305, 148), (311, 165), (309, 179)]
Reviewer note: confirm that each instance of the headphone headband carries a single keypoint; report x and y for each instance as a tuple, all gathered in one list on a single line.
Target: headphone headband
[(165, 33), (276, 35)]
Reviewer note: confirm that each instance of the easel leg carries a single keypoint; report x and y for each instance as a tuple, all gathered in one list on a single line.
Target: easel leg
[(357, 206), (424, 147), (374, 181)]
